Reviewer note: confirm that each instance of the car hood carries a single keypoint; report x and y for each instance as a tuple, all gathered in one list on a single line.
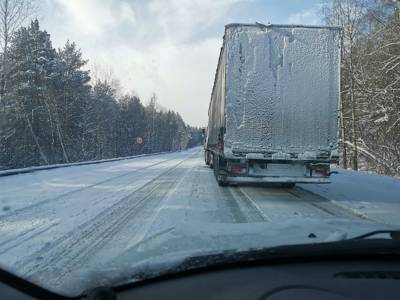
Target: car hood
[(169, 247)]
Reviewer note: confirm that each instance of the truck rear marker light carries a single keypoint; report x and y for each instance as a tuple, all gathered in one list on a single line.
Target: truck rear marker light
[(237, 170)]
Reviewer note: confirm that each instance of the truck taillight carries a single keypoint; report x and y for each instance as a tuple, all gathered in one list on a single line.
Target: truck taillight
[(237, 170), (321, 170)]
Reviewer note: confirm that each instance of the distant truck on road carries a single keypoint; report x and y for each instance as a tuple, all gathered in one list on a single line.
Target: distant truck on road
[(273, 114)]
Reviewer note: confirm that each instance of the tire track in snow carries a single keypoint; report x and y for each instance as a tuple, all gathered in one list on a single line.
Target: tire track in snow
[(325, 204), (225, 204), (18, 212), (155, 216), (21, 234), (241, 207), (75, 248), (15, 242), (254, 207)]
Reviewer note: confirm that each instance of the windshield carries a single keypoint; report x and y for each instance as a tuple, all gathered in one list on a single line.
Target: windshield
[(137, 134)]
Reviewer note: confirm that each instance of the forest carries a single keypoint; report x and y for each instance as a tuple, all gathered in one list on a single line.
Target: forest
[(370, 82), (52, 111)]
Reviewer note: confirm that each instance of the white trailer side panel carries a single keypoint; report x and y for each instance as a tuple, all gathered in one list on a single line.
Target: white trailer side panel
[(282, 89), (216, 109)]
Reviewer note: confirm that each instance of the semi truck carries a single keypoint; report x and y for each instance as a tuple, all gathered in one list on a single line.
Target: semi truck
[(273, 114)]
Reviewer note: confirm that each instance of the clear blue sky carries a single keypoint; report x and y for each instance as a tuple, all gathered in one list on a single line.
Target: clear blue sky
[(169, 47)]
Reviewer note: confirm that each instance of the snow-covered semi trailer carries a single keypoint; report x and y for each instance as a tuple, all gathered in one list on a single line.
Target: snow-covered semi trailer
[(273, 114)]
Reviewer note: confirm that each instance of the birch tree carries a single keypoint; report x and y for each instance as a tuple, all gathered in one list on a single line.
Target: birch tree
[(370, 123), (13, 14), (348, 14)]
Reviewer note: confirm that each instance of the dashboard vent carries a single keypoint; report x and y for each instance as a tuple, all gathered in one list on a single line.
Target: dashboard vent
[(369, 275)]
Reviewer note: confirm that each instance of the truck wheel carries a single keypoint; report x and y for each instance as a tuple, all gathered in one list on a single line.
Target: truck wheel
[(206, 158), (220, 179), (288, 185), (221, 182), (214, 165)]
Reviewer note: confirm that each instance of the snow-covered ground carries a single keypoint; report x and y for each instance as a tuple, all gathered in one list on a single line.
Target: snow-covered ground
[(372, 195), (27, 190), (63, 228)]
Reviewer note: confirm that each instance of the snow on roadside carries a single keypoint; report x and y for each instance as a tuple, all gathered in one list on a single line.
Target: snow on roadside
[(372, 195), (9, 172), (19, 191)]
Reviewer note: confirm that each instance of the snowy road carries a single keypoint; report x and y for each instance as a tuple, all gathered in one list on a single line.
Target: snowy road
[(61, 220)]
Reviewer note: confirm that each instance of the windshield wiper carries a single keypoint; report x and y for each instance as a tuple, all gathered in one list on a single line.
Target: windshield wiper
[(394, 234)]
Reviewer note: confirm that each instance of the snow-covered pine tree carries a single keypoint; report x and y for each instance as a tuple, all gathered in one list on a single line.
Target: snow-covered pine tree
[(72, 95), (35, 69)]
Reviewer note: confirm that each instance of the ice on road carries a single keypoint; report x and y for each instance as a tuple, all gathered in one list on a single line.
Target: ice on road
[(56, 222)]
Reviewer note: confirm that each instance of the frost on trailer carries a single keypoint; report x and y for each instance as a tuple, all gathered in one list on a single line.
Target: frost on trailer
[(275, 96)]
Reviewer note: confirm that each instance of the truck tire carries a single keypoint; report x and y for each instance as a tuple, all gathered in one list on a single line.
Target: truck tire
[(206, 160), (214, 164), (288, 185), (220, 180)]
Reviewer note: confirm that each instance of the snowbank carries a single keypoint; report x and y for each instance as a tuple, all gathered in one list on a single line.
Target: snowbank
[(55, 166)]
